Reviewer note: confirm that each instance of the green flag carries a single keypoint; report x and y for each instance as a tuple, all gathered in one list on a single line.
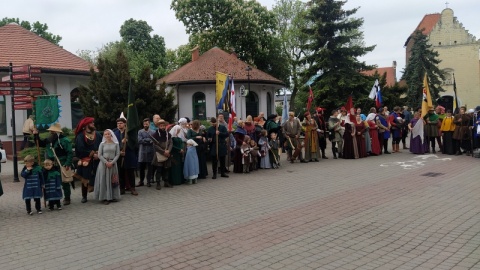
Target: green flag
[(46, 110), (132, 119)]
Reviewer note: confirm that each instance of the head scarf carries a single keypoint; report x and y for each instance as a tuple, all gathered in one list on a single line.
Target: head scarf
[(114, 138), (192, 142)]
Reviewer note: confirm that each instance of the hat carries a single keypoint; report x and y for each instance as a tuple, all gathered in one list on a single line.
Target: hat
[(192, 142), (182, 121), (55, 128), (343, 109), (83, 123), (471, 110), (306, 114), (320, 109)]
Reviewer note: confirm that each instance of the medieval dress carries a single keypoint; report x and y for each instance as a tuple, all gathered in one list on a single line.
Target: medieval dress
[(104, 188)]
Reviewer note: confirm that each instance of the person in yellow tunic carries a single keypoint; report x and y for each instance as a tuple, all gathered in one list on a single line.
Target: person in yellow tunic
[(447, 128), (312, 151)]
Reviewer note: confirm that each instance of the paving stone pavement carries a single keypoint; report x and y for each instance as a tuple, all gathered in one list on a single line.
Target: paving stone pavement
[(387, 212)]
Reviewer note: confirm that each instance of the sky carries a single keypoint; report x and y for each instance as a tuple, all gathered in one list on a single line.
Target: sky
[(90, 24)]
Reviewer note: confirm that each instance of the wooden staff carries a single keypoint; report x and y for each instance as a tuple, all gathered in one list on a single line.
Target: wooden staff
[(124, 147), (216, 139)]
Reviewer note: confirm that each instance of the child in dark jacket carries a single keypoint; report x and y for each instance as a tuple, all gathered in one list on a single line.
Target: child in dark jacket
[(53, 185), (32, 189)]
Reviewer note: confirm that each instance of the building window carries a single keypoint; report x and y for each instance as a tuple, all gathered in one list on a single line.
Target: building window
[(199, 106), (76, 107), (3, 116), (251, 104), (269, 104)]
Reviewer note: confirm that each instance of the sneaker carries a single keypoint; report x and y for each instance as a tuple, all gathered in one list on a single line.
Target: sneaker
[(39, 212), (59, 208), (30, 213)]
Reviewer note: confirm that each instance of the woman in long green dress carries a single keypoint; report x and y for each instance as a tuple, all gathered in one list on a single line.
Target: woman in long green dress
[(179, 136)]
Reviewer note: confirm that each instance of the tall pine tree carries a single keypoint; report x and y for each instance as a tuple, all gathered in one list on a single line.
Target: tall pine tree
[(422, 59), (336, 43)]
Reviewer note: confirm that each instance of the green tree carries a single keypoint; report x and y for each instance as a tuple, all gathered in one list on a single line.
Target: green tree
[(423, 59), (106, 95), (291, 15), (335, 47), (38, 28), (243, 26), (142, 49), (178, 57)]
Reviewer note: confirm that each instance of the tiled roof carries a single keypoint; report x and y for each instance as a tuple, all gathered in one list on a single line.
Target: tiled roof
[(203, 70), (22, 47), (429, 21), (390, 74)]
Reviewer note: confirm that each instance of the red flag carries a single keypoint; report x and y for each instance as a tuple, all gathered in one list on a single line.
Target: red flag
[(310, 99), (349, 103)]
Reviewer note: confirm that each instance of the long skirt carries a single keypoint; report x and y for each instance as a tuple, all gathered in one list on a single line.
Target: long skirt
[(448, 143), (416, 145), (362, 149), (376, 148), (237, 160)]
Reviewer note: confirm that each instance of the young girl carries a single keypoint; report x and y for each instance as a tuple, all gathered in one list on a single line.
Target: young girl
[(245, 150), (264, 149), (32, 189), (255, 154), (190, 166), (274, 144), (53, 185)]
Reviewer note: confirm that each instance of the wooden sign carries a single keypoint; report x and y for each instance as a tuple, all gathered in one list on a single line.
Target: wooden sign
[(23, 84), (22, 92)]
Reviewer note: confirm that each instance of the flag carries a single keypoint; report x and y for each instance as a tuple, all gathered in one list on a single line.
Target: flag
[(232, 105), (426, 98), (378, 98), (373, 92), (132, 119), (349, 104), (221, 93), (46, 110), (285, 107), (455, 104), (310, 99), (418, 129)]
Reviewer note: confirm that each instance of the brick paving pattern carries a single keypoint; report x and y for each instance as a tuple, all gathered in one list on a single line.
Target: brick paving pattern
[(371, 213)]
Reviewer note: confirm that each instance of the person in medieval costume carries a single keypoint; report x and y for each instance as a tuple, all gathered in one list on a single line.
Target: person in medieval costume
[(322, 130), (87, 141), (107, 188), (53, 185), (447, 128), (179, 139), (292, 128), (431, 129), (336, 134), (58, 145), (312, 151), (191, 166), (127, 163), (216, 137), (162, 143), (145, 153), (462, 134)]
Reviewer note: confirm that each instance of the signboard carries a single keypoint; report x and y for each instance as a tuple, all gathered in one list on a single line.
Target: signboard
[(23, 106), (21, 76), (22, 99), (23, 84), (22, 92), (6, 78), (35, 70), (20, 68)]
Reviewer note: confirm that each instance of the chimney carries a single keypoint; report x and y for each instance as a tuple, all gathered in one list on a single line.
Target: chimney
[(195, 53)]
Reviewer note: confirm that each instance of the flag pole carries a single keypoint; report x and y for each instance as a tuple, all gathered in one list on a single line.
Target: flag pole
[(455, 92)]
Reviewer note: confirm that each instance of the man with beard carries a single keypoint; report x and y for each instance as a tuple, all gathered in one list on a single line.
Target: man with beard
[(163, 145), (127, 162), (87, 141), (145, 153), (291, 129), (63, 150)]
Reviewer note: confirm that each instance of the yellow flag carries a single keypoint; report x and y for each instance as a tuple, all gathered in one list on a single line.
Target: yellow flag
[(426, 98), (221, 79)]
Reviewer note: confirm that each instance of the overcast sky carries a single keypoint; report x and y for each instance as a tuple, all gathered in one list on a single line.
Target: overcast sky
[(89, 24)]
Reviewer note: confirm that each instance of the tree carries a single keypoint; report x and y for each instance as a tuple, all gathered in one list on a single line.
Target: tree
[(423, 59), (291, 15), (243, 26), (142, 49), (178, 57), (106, 95), (37, 28), (335, 47)]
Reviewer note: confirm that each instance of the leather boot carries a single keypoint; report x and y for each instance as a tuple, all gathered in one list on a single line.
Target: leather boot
[(323, 154), (334, 151)]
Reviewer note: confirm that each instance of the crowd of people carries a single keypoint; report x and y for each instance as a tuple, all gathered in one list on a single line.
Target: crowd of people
[(174, 154)]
